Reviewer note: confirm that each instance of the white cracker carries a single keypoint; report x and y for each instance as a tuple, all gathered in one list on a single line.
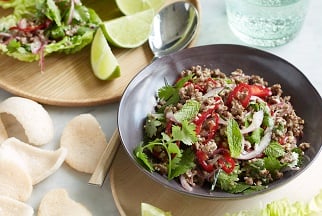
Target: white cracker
[(12, 207), (85, 142), (39, 163), (57, 202), (15, 182), (31, 116)]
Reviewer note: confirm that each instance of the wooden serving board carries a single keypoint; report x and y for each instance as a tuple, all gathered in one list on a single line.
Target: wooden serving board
[(68, 79), (130, 187)]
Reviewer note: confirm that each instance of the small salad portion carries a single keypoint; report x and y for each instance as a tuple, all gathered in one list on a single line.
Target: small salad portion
[(40, 27), (231, 133)]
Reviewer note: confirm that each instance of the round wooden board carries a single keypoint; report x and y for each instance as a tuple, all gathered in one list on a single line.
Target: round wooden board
[(68, 79), (131, 187)]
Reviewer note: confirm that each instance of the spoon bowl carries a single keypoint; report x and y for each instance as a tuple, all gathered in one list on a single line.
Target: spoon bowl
[(173, 28)]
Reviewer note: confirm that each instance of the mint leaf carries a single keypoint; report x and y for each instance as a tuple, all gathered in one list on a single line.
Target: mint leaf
[(274, 149), (186, 133), (188, 111), (234, 137)]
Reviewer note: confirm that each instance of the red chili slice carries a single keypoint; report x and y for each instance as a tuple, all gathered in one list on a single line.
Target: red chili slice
[(202, 158), (227, 163), (250, 90), (260, 91), (32, 28)]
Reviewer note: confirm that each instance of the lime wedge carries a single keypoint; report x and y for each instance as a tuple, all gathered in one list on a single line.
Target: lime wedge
[(103, 61), (128, 7), (129, 31), (150, 210)]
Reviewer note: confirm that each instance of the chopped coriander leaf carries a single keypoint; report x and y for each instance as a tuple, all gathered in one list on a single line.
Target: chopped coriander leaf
[(180, 83), (272, 164), (152, 122), (186, 133), (139, 154), (255, 136), (184, 164), (228, 182)]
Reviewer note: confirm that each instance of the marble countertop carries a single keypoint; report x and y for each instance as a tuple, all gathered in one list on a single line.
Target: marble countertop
[(305, 52)]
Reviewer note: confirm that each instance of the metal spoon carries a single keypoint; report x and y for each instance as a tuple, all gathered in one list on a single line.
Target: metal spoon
[(173, 28)]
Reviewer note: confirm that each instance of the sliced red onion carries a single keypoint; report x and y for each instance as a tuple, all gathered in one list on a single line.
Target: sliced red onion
[(3, 34), (222, 121), (170, 115), (185, 184), (35, 46), (256, 122), (22, 24), (261, 146), (71, 12), (213, 92)]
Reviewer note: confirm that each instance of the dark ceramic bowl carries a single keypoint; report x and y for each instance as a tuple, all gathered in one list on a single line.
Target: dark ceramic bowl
[(139, 99)]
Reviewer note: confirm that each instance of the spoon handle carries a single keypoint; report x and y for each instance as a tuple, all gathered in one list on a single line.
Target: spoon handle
[(106, 160)]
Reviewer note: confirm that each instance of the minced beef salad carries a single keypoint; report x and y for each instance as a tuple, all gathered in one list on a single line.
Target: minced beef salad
[(233, 133)]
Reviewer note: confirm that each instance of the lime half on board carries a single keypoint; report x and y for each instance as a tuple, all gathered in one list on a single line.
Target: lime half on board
[(128, 7), (104, 64), (129, 31)]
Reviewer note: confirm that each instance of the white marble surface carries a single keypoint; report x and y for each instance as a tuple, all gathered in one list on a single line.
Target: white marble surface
[(305, 52)]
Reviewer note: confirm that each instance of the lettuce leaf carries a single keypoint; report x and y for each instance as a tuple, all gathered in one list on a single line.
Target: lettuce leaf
[(9, 4), (284, 207), (84, 20)]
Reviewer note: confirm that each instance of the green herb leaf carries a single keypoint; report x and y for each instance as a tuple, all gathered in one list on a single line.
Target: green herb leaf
[(174, 157), (186, 133), (256, 135), (228, 182), (272, 164), (274, 149), (166, 92), (186, 163), (152, 123), (188, 111), (13, 45), (52, 12), (234, 137), (139, 153), (180, 83)]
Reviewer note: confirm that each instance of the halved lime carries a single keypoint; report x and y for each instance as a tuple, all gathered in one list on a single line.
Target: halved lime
[(129, 31), (150, 210), (104, 64), (128, 7)]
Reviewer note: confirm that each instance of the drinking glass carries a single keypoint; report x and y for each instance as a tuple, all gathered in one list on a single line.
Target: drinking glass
[(266, 23)]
